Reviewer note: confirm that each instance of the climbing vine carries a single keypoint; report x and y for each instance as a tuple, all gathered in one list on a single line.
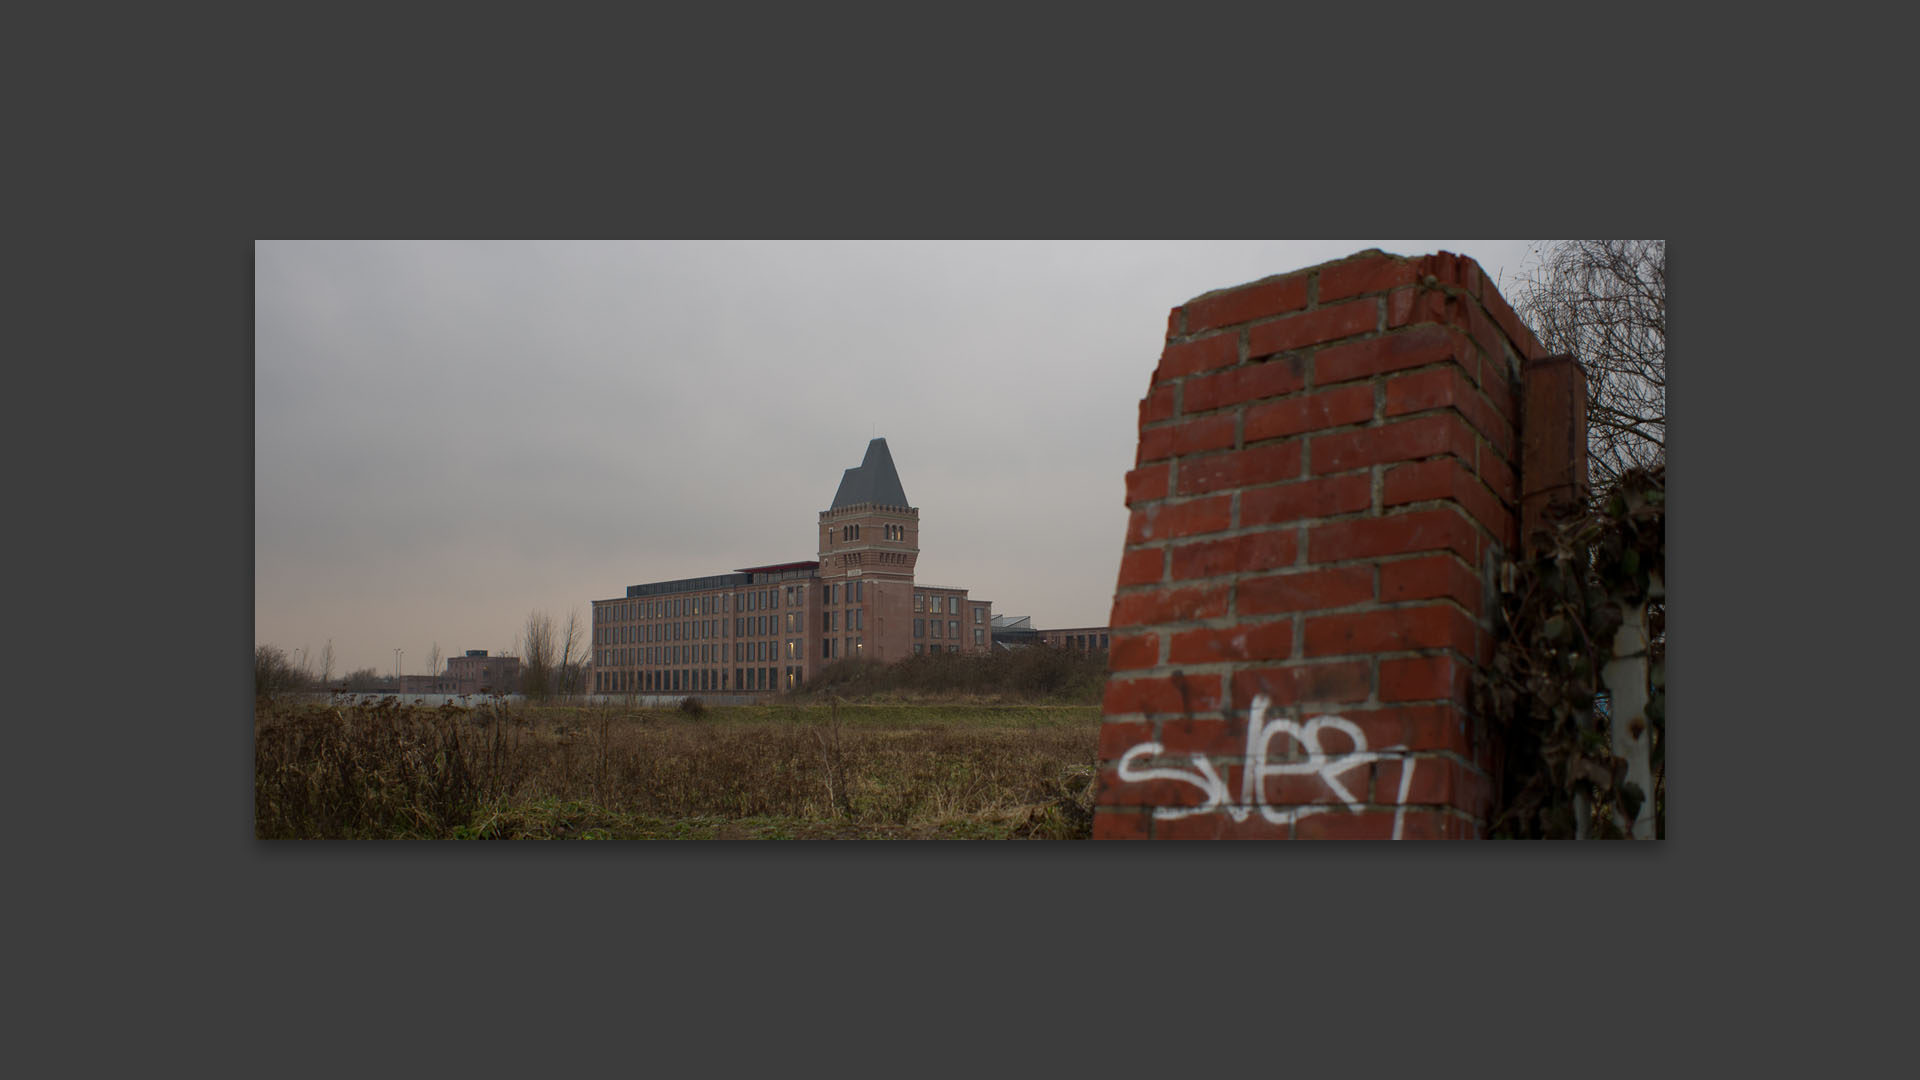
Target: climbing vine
[(1563, 773)]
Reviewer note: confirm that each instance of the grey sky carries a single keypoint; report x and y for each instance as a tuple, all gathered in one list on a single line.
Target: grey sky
[(450, 435)]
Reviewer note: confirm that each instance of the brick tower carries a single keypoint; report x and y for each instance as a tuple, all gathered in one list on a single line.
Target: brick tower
[(869, 543)]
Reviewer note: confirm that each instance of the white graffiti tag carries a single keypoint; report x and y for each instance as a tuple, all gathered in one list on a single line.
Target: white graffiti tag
[(1261, 732)]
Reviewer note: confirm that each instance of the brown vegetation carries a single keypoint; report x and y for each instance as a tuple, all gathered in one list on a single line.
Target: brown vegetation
[(380, 768)]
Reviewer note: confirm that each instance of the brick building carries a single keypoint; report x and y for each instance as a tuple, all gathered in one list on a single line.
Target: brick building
[(478, 673), (763, 629)]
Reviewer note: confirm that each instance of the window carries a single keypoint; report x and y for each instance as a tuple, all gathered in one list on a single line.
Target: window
[(953, 629), (979, 615), (979, 637), (919, 601), (936, 627), (953, 606), (919, 630)]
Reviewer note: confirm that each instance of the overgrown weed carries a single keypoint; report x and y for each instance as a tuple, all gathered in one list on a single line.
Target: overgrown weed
[(381, 768)]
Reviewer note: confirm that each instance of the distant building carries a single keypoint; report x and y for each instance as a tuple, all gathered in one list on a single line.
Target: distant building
[(771, 628), (429, 684), (478, 673), (1014, 631)]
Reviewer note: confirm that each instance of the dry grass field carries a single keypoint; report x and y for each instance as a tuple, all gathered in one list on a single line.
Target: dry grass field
[(381, 768)]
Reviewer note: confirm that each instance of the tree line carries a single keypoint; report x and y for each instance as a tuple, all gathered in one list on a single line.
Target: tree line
[(553, 663)]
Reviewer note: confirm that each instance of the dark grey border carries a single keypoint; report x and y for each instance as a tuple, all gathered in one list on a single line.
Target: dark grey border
[(528, 956)]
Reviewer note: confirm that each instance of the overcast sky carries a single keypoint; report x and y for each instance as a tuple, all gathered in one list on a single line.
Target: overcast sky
[(448, 436)]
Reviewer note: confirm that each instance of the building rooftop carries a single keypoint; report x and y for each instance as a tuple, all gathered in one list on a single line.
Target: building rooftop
[(874, 481), (812, 564)]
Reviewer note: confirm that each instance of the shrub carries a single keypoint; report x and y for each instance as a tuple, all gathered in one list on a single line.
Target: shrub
[(274, 672), (1034, 673)]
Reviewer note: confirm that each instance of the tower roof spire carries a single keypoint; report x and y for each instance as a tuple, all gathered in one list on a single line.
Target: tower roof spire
[(874, 480)]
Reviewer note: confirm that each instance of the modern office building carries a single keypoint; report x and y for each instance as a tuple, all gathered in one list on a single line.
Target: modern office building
[(765, 629), (1014, 631)]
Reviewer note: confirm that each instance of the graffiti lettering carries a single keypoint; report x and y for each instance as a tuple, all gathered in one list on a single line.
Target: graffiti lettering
[(1330, 768)]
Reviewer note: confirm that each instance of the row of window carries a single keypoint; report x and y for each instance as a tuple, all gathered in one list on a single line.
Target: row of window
[(690, 680), (852, 592), (850, 533), (835, 647), (678, 606), (697, 654), (856, 619), (921, 628), (694, 630)]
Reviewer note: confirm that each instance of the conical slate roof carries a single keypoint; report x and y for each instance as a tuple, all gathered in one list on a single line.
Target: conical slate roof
[(874, 481)]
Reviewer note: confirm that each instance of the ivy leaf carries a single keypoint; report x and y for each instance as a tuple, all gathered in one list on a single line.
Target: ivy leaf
[(1606, 620), (1631, 799)]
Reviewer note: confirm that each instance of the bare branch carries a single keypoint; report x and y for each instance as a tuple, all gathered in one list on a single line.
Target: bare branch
[(1605, 302)]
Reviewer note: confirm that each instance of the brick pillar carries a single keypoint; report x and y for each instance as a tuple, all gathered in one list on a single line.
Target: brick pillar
[(1553, 439), (1324, 491)]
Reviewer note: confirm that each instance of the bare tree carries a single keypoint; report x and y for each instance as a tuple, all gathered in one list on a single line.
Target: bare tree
[(1605, 302), (539, 651), (569, 645), (433, 660), (326, 663)]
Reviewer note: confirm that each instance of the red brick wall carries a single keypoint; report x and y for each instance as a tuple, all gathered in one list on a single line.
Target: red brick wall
[(1324, 490)]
